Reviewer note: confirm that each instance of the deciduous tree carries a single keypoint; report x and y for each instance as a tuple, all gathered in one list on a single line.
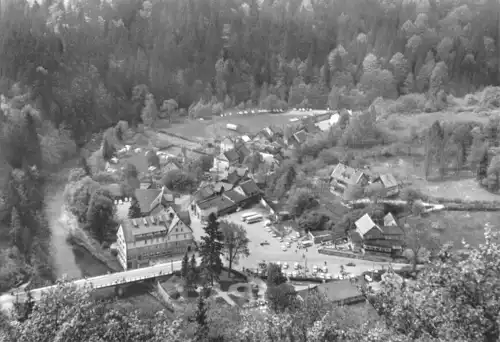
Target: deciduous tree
[(235, 242)]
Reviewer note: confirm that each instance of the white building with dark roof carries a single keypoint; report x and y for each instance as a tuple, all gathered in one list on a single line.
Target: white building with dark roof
[(143, 240)]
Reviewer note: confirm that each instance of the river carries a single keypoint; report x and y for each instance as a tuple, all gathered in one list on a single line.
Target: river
[(66, 263)]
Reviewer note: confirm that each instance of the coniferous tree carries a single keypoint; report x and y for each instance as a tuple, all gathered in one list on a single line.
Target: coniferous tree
[(211, 250), (185, 266), (201, 318)]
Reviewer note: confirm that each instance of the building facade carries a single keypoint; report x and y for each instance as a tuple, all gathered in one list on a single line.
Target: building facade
[(140, 242)]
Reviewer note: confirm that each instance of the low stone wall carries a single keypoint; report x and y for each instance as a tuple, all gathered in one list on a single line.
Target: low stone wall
[(368, 257)]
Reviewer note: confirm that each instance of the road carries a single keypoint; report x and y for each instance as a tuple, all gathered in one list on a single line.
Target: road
[(273, 253), (7, 300)]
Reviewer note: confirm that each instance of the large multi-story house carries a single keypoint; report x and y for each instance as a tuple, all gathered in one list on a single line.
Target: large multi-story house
[(142, 241)]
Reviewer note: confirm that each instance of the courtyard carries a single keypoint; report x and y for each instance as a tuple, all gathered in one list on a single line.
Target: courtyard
[(273, 252)]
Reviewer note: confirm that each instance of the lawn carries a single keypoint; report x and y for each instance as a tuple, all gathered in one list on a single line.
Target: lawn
[(225, 280), (453, 226), (216, 127), (410, 170)]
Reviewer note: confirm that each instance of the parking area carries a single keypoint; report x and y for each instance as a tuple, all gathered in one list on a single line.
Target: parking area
[(309, 257), (273, 252)]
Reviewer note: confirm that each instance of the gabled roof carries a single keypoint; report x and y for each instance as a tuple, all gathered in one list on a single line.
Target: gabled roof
[(346, 174), (204, 193), (174, 162), (146, 197), (389, 220), (324, 125), (232, 178), (236, 195), (246, 138), (161, 223), (300, 136), (145, 186), (365, 224), (219, 202), (342, 172), (388, 180), (250, 188)]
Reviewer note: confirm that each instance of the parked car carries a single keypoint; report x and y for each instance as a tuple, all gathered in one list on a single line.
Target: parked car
[(263, 243)]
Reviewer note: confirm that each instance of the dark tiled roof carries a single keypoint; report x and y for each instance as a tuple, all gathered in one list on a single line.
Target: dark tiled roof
[(219, 202), (392, 230), (232, 178), (235, 196), (232, 156), (145, 197), (250, 188), (204, 193)]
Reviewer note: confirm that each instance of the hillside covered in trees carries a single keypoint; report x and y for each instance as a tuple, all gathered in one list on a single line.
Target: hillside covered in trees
[(82, 60)]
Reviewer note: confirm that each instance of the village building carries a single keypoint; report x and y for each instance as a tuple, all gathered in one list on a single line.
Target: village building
[(319, 236), (171, 165), (389, 184), (142, 241), (297, 139), (226, 144), (371, 237), (152, 201), (343, 176), (224, 200)]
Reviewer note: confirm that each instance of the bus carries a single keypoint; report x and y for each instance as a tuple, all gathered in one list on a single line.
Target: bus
[(245, 216), (254, 219)]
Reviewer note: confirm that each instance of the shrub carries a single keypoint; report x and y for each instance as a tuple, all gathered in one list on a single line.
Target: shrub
[(179, 181), (407, 104), (104, 177), (273, 102), (490, 98), (153, 159), (471, 100)]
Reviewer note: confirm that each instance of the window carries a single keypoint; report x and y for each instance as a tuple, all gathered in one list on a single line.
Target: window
[(176, 230), (185, 236)]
